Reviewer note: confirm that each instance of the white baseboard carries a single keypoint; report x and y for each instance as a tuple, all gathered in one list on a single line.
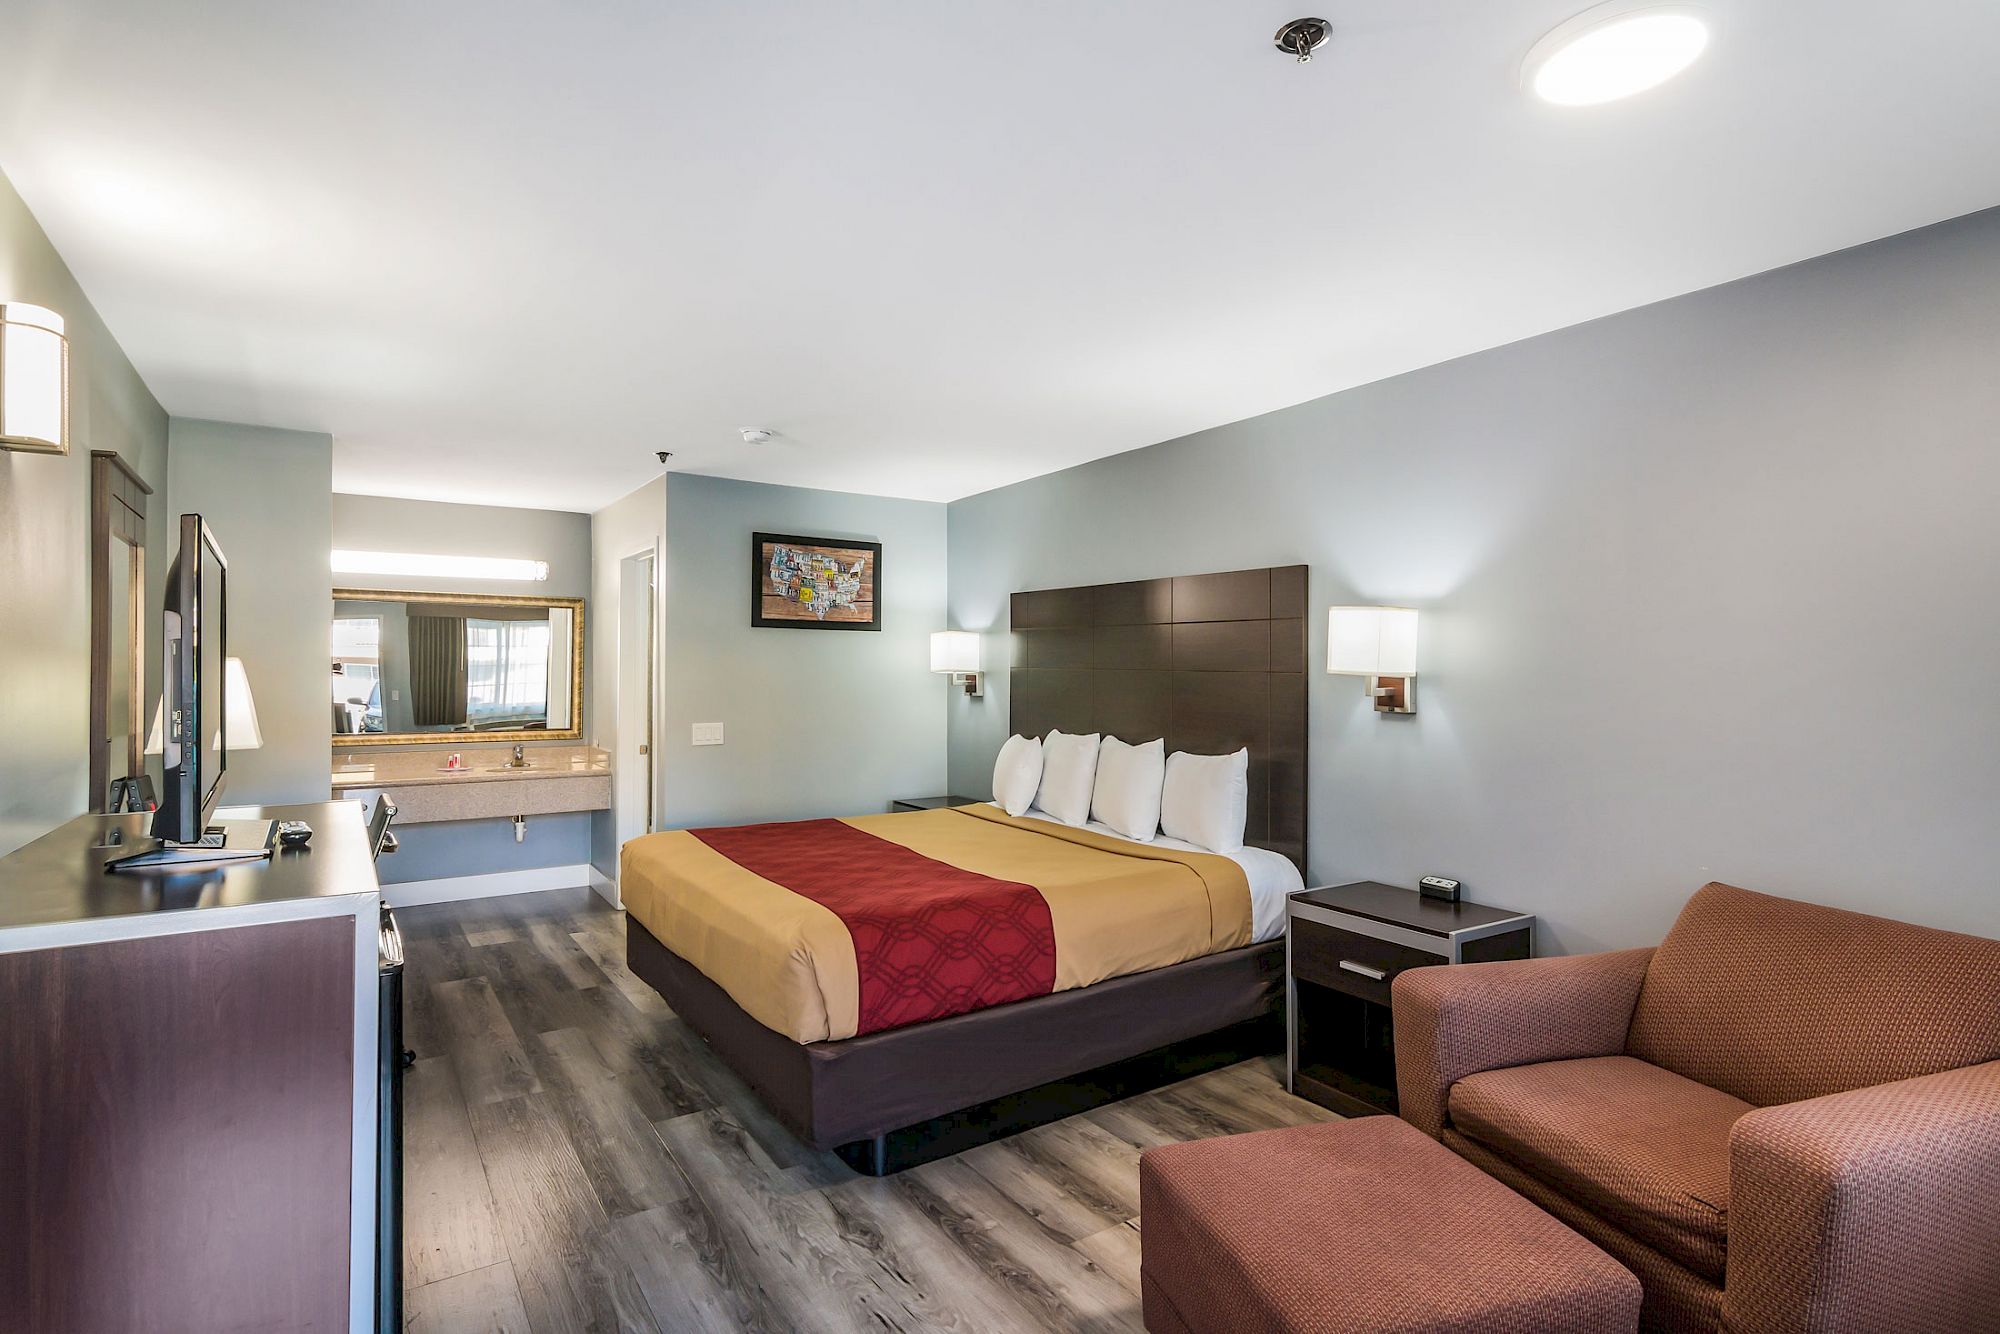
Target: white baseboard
[(450, 889), (606, 887)]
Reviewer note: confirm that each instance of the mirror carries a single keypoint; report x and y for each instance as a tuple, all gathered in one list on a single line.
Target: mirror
[(411, 668), (118, 628)]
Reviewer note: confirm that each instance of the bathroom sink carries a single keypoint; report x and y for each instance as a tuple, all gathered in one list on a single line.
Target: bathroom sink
[(510, 768)]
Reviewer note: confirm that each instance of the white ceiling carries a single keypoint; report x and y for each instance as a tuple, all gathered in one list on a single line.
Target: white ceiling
[(504, 251)]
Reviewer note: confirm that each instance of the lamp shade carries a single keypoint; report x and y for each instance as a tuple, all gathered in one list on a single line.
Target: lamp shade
[(1371, 641), (34, 379), (239, 710), (954, 651)]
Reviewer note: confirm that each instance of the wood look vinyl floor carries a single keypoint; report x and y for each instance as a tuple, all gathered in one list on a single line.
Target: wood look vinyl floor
[(576, 1159)]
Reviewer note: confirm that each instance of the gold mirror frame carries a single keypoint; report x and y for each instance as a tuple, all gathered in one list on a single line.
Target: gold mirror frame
[(510, 736)]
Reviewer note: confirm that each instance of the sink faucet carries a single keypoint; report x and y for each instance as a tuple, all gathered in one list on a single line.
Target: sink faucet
[(520, 757)]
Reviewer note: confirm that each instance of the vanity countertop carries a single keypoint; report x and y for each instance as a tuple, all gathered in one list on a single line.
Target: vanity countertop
[(413, 766)]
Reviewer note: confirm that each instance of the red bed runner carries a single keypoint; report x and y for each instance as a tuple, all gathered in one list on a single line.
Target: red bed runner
[(930, 940)]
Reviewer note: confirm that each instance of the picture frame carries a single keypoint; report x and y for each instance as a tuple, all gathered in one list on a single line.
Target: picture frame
[(814, 583)]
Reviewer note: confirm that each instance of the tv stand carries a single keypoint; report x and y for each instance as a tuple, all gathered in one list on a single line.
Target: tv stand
[(223, 843), (191, 1048)]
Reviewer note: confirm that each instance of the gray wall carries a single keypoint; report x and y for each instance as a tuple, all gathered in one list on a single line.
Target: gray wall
[(431, 527), (818, 722), (1707, 593), (623, 528), (265, 493), (45, 544)]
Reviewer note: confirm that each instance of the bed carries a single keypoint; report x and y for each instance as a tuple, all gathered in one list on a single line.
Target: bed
[(1050, 966)]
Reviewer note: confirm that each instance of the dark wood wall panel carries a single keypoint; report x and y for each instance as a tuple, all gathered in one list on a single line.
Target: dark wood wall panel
[(1210, 663), (1147, 602), (179, 1159), (1240, 595)]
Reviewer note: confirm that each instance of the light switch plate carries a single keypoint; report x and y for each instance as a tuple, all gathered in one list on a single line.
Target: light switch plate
[(708, 734)]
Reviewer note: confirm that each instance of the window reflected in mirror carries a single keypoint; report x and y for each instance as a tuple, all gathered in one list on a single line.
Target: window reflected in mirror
[(417, 666)]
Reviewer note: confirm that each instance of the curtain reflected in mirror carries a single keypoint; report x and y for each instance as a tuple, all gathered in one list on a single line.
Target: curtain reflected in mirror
[(408, 665)]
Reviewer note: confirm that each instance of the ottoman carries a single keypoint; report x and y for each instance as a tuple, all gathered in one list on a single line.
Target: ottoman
[(1355, 1226)]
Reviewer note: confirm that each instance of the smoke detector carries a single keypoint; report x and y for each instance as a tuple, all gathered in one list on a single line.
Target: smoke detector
[(753, 435), (1302, 37)]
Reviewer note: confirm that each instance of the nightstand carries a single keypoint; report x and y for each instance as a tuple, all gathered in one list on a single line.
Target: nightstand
[(932, 803), (1344, 945)]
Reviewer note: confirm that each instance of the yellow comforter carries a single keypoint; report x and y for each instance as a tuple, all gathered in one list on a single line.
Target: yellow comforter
[(1116, 907)]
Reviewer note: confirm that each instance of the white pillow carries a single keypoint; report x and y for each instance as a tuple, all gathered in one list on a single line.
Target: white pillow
[(1069, 768), (1127, 793), (1017, 774), (1206, 799)]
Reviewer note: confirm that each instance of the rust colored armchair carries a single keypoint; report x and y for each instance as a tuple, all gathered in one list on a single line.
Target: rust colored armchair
[(1784, 1120)]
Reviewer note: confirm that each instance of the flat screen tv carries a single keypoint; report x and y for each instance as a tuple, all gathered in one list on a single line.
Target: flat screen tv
[(194, 732), (194, 723)]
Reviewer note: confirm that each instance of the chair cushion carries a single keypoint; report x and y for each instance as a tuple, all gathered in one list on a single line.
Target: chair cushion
[(1640, 1146), (1355, 1226), (1776, 1001)]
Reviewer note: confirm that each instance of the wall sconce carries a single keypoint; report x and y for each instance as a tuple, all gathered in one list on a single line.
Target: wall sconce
[(1379, 643), (955, 653), (34, 379)]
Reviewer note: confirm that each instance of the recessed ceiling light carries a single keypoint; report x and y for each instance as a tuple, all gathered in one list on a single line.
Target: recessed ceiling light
[(1614, 51)]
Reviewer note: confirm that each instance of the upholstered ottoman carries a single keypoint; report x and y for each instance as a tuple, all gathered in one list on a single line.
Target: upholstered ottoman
[(1352, 1226)]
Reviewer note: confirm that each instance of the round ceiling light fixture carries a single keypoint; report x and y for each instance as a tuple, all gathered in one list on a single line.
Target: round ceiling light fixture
[(1614, 50)]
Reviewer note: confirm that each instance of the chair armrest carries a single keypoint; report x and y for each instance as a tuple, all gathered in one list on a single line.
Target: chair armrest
[(1868, 1210), (1456, 1021)]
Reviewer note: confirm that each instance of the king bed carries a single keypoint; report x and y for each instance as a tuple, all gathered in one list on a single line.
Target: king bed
[(899, 986)]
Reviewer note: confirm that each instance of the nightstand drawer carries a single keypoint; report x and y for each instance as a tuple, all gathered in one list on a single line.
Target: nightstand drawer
[(1348, 961)]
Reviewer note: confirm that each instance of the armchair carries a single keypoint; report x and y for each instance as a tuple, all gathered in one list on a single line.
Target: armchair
[(1785, 1119)]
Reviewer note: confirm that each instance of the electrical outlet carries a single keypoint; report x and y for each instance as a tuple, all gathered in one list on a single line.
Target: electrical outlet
[(708, 734)]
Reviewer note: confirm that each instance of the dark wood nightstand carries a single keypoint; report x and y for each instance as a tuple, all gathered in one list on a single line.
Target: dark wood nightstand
[(1344, 945), (932, 803)]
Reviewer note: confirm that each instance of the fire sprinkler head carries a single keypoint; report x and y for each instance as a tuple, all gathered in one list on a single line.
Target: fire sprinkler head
[(1302, 37)]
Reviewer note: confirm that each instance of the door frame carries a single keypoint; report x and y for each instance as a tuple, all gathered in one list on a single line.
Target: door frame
[(635, 808)]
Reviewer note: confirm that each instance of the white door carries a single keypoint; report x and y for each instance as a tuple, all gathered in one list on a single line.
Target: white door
[(634, 799)]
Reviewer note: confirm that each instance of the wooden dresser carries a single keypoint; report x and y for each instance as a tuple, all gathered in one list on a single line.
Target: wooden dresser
[(188, 1085)]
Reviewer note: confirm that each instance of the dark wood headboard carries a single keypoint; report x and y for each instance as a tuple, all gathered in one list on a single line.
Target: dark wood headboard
[(1210, 662)]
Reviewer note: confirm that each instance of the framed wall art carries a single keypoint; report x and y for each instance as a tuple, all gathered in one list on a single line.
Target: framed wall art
[(814, 583)]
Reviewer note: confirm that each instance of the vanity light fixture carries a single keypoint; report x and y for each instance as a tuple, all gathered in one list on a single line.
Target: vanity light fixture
[(955, 653), (1379, 643), (1614, 50), (34, 379), (440, 567)]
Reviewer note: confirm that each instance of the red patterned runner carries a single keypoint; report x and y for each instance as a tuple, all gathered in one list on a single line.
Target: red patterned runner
[(930, 940)]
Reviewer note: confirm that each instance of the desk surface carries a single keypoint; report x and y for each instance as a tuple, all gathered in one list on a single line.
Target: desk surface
[(60, 877)]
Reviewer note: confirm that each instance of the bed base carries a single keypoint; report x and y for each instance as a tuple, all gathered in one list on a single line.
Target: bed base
[(943, 1136), (890, 1100)]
